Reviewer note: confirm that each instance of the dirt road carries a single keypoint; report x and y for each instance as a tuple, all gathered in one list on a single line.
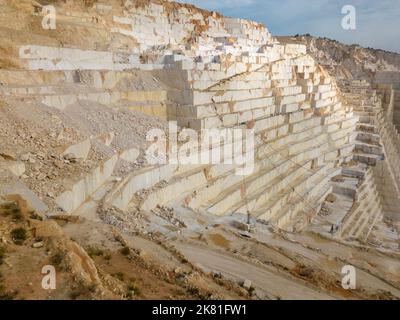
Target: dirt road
[(266, 281)]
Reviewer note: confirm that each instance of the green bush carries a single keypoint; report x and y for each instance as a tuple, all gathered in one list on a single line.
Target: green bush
[(94, 252), (125, 251), (19, 235)]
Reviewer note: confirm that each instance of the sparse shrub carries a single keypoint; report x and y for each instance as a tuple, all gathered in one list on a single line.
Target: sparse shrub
[(125, 251), (19, 235), (133, 287), (133, 290), (58, 258), (129, 295), (5, 294), (2, 291), (33, 215), (205, 296), (82, 291), (305, 271), (94, 252), (77, 292), (16, 214), (7, 207), (107, 257), (119, 275), (194, 291), (74, 294), (89, 3), (2, 255), (12, 209)]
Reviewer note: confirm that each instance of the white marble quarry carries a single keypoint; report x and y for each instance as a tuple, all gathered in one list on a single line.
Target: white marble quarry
[(79, 150), (15, 167), (80, 191), (52, 58), (214, 73)]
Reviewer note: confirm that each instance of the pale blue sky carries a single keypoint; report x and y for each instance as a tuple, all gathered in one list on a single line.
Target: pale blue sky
[(378, 21)]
